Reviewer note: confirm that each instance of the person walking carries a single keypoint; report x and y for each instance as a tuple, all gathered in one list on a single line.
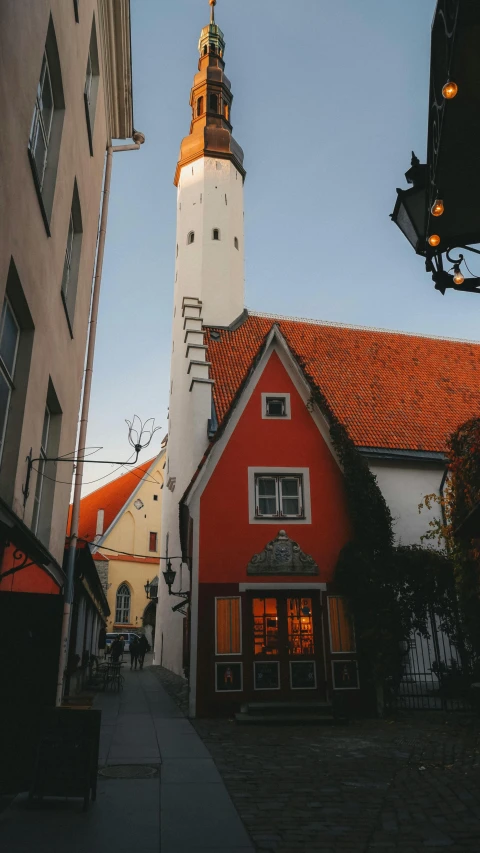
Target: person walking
[(134, 652), (143, 648), (102, 641), (122, 645), (116, 650)]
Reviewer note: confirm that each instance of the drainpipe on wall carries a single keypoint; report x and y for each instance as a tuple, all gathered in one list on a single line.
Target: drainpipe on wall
[(138, 139)]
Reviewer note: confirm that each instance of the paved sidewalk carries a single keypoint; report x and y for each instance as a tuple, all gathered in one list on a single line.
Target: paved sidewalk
[(184, 808)]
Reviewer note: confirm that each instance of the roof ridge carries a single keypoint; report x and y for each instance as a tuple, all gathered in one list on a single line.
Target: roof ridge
[(338, 325)]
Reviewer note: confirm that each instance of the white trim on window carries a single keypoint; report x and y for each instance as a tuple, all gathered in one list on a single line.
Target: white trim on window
[(297, 662), (342, 651), (228, 654), (277, 663), (280, 395), (279, 471), (333, 662), (234, 663)]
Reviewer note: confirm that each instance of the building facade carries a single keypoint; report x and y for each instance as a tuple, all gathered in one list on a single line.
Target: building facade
[(121, 524), (65, 93), (254, 513)]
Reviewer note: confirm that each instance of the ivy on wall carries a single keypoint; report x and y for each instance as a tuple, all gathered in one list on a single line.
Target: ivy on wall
[(391, 589)]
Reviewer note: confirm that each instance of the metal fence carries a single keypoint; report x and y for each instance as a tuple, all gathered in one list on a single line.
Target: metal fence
[(433, 677)]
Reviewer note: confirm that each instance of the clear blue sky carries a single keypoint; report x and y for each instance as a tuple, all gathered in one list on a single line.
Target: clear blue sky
[(329, 100)]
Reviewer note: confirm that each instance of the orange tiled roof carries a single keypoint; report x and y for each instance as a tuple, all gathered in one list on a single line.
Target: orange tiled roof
[(390, 389), (111, 498)]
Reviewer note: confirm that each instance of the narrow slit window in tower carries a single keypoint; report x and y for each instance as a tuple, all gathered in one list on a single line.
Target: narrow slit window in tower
[(200, 105), (212, 102), (191, 238), (235, 242), (216, 234)]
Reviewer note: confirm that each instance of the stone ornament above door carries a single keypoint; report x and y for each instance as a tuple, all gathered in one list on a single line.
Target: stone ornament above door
[(282, 556)]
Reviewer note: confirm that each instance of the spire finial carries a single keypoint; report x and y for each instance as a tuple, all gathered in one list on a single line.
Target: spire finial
[(212, 3)]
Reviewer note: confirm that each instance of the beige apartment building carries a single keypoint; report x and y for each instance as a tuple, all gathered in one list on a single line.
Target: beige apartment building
[(65, 93)]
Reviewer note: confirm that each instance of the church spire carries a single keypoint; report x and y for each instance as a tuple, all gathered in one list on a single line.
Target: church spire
[(211, 101)]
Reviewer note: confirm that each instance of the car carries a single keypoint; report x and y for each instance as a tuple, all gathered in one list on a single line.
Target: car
[(127, 636)]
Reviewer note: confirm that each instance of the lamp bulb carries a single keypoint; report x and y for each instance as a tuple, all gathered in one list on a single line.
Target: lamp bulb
[(437, 207), (449, 90), (458, 277), (434, 240)]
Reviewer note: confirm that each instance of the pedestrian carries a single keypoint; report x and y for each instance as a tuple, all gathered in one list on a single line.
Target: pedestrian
[(143, 648), (134, 651), (116, 650), (122, 645), (102, 641)]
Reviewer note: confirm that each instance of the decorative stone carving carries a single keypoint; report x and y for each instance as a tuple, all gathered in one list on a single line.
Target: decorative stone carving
[(282, 556)]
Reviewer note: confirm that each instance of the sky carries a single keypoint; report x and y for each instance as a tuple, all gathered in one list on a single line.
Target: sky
[(329, 101)]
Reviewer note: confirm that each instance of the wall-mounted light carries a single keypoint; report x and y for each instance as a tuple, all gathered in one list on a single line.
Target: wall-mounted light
[(437, 207), (434, 240), (450, 90)]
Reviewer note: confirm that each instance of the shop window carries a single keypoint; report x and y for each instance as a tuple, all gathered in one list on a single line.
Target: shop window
[(228, 626), (342, 636), (122, 609), (265, 626), (300, 626), (278, 496)]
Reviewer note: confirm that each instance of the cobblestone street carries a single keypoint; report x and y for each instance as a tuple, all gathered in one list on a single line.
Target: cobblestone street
[(375, 787)]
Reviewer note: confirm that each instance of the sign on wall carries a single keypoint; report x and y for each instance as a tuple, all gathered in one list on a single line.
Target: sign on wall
[(228, 677)]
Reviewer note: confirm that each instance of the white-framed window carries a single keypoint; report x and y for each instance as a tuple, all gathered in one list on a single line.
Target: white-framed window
[(41, 128), (276, 405), (191, 238), (9, 339), (37, 501), (279, 493), (279, 496), (122, 606), (342, 633), (228, 625)]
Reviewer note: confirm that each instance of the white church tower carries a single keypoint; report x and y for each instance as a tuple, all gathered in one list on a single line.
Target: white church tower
[(209, 291)]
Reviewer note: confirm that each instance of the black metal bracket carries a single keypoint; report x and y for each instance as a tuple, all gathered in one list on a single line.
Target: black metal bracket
[(17, 554)]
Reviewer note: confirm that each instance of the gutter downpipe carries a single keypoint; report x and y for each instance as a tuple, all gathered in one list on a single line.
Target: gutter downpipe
[(139, 139)]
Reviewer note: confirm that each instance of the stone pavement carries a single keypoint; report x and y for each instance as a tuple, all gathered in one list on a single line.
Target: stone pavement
[(183, 807), (410, 786)]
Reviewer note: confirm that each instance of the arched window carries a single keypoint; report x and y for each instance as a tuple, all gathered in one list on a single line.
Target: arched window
[(200, 105), (216, 234), (235, 242), (122, 609), (212, 103), (226, 110), (205, 48), (213, 48), (191, 237)]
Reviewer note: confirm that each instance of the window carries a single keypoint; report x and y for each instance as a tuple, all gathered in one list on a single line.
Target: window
[(191, 238), (200, 105), (9, 338), (300, 626), (155, 497), (226, 110), (278, 495), (72, 258), (215, 234), (92, 77), (152, 542), (37, 502), (265, 626), (212, 103), (122, 609), (342, 636), (46, 467), (235, 242), (228, 626), (75, 8), (46, 127), (276, 405), (205, 48)]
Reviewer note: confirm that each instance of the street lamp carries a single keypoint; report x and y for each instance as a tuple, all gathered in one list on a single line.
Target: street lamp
[(151, 589), (169, 574), (410, 211)]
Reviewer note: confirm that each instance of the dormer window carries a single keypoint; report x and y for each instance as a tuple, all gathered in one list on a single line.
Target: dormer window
[(216, 234), (191, 238), (276, 406)]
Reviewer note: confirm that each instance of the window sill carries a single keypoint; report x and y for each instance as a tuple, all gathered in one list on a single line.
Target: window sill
[(286, 518), (39, 192), (64, 303)]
